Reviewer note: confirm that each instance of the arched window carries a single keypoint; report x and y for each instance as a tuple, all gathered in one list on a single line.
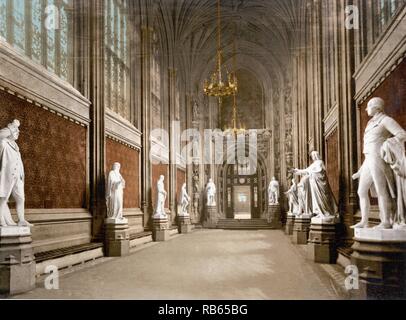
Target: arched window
[(116, 60), (386, 11), (157, 110), (41, 29)]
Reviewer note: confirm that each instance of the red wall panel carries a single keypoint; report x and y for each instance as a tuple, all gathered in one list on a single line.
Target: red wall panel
[(54, 154), (129, 160)]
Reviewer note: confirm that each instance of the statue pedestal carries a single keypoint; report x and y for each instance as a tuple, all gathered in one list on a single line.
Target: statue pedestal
[(160, 229), (117, 237), (290, 221), (211, 220), (380, 256), (301, 229), (274, 216), (184, 224), (322, 241), (17, 263)]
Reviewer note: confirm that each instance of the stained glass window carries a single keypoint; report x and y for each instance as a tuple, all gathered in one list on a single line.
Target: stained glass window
[(156, 114), (3, 18), (36, 35), (116, 63), (387, 9), (51, 24), (64, 41), (18, 24), (41, 29)]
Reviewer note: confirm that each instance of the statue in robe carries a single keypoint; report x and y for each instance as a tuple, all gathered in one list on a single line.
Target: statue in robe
[(293, 198), (322, 198), (11, 176), (211, 193), (115, 193), (195, 111), (161, 198), (273, 192), (185, 199), (304, 198), (393, 153)]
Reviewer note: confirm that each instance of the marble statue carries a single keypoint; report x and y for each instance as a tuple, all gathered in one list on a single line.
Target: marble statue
[(293, 198), (195, 111), (393, 153), (115, 193), (11, 176), (273, 192), (161, 198), (211, 193), (382, 140), (323, 202), (185, 199), (304, 197)]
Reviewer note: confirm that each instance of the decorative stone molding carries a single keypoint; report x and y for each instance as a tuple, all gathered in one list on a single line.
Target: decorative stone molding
[(163, 157), (55, 216), (331, 121), (180, 161), (32, 82), (122, 130), (386, 55)]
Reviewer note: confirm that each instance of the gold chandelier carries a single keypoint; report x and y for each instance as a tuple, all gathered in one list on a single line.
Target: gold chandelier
[(234, 130), (216, 87)]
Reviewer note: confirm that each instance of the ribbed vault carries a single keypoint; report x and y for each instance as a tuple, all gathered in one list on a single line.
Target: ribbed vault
[(261, 29)]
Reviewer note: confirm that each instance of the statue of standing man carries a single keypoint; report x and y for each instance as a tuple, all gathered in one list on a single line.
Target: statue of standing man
[(161, 198), (376, 174), (211, 193), (273, 192), (11, 176), (292, 194), (115, 193), (184, 201)]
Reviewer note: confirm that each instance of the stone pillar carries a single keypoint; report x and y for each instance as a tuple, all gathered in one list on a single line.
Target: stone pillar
[(117, 238), (322, 241), (97, 139), (211, 219), (146, 170), (160, 230), (174, 134), (380, 256), (290, 221), (274, 216), (301, 229), (184, 224), (17, 263)]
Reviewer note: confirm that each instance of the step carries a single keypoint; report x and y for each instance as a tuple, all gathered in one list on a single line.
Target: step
[(76, 255), (68, 257), (140, 239), (243, 221)]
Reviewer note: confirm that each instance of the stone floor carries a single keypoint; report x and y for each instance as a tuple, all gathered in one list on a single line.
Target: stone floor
[(209, 264)]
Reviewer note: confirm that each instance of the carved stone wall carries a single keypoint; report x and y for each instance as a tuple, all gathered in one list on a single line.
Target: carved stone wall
[(129, 160), (332, 165), (54, 155)]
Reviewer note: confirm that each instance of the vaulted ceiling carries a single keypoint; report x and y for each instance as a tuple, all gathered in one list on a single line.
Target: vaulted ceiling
[(261, 31)]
